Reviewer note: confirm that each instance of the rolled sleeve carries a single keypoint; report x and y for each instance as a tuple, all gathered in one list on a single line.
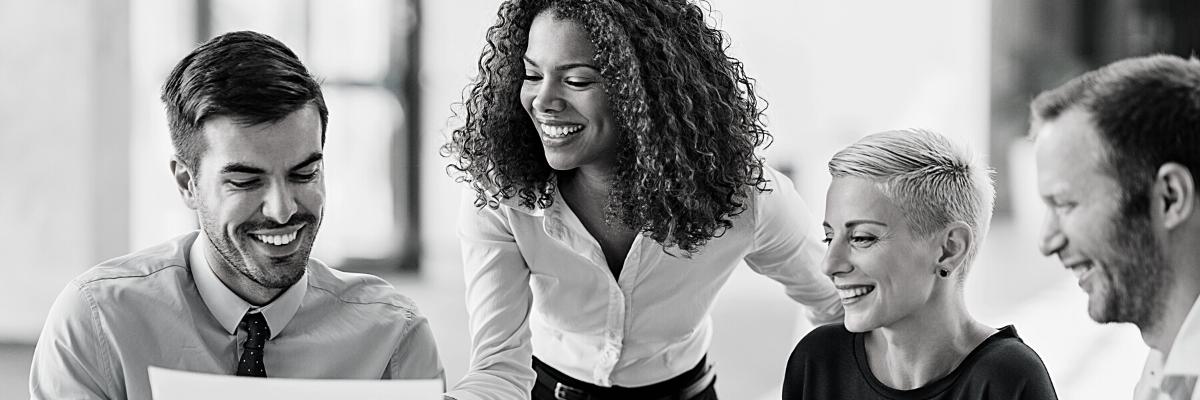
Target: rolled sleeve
[(70, 360), (788, 249), (498, 300)]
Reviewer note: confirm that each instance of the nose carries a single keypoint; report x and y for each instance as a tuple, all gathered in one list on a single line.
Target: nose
[(279, 204), (1052, 240), (547, 98), (835, 261)]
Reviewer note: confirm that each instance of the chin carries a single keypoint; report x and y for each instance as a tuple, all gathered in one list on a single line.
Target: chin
[(1098, 309), (859, 324), (277, 276)]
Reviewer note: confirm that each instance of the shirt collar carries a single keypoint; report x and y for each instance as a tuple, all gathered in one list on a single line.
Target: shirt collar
[(514, 202), (1185, 350), (228, 307)]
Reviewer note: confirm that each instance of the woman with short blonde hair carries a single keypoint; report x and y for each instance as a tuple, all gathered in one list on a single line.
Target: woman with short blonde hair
[(906, 214)]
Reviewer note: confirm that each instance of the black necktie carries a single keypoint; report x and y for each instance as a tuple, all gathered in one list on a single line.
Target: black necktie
[(251, 363)]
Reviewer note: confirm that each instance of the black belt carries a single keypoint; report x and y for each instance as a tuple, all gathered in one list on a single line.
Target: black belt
[(682, 387)]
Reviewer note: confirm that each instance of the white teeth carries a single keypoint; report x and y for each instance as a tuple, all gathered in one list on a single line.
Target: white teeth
[(278, 240), (855, 292), (1080, 269), (560, 131)]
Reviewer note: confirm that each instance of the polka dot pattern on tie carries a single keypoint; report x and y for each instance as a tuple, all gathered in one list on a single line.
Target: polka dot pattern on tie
[(257, 332)]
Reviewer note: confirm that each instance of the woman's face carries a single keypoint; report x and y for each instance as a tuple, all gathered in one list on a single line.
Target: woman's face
[(883, 272), (564, 95)]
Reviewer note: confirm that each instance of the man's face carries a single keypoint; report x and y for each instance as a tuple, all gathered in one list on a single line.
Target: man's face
[(260, 193), (1112, 251)]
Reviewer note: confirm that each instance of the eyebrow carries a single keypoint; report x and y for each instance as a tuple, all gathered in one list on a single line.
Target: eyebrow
[(239, 168), (565, 67), (312, 158), (857, 222)]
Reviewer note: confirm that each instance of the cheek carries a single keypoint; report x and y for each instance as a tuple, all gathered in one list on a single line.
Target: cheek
[(1084, 230), (597, 105), (527, 96), (313, 198)]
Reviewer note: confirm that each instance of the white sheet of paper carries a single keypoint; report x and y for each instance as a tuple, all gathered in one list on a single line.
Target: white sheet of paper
[(169, 384)]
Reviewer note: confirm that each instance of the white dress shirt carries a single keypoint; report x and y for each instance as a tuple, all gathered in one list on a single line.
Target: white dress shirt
[(538, 284), (1174, 376), (164, 307)]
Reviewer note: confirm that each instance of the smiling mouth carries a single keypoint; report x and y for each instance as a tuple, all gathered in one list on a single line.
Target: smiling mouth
[(854, 292), (560, 131), (1081, 268), (279, 239)]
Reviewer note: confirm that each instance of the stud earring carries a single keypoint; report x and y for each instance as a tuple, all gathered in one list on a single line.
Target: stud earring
[(943, 272)]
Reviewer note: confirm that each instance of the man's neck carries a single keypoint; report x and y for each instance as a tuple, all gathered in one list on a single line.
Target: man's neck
[(1176, 308), (237, 282)]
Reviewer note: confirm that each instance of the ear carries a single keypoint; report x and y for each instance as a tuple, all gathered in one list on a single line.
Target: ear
[(185, 182), (955, 240), (1176, 190)]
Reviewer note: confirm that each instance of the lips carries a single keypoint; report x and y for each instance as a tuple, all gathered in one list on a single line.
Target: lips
[(850, 293), (1081, 269), (560, 131), (277, 242)]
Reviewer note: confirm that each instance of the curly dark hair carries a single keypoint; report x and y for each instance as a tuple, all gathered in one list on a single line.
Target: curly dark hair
[(687, 115)]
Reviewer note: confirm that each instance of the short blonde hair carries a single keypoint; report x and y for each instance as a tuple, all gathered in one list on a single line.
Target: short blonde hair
[(934, 181)]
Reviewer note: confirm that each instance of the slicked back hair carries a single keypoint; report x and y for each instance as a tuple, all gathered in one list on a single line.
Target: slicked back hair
[(247, 76), (934, 181), (1145, 109)]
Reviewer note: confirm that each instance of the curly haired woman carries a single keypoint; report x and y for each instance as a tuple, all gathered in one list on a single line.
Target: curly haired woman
[(609, 149)]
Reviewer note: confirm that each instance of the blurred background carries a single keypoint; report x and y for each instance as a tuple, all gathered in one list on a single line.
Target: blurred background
[(84, 142)]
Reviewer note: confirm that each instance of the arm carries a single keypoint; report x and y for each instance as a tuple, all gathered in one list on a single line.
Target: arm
[(788, 249), (70, 360), (416, 355), (498, 304)]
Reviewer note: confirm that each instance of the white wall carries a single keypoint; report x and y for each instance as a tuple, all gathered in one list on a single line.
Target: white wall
[(63, 114)]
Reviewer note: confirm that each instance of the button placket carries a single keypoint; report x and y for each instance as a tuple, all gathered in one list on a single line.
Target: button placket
[(614, 331)]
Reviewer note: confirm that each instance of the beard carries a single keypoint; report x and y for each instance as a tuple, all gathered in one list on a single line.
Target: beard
[(267, 271), (1135, 273)]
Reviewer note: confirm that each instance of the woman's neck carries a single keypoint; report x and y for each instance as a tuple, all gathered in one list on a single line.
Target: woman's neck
[(925, 346), (586, 183)]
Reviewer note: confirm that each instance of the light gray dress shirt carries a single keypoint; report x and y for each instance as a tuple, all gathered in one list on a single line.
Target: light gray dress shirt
[(538, 284), (164, 307)]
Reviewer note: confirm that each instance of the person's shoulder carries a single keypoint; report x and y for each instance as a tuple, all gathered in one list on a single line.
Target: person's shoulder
[(168, 258), (822, 365), (777, 185), (776, 200), (825, 340), (1005, 361), (1007, 351), (356, 289)]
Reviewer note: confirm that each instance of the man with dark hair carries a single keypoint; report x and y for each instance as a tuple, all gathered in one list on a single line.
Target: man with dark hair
[(241, 295), (1118, 153)]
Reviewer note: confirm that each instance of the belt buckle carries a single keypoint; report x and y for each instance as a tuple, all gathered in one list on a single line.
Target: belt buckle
[(564, 392)]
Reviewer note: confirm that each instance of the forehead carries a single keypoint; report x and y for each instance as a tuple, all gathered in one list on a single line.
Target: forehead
[(1069, 154), (552, 38), (854, 198), (277, 146)]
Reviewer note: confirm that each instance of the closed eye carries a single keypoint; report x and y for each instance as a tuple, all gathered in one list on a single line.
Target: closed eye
[(246, 184), (305, 177)]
